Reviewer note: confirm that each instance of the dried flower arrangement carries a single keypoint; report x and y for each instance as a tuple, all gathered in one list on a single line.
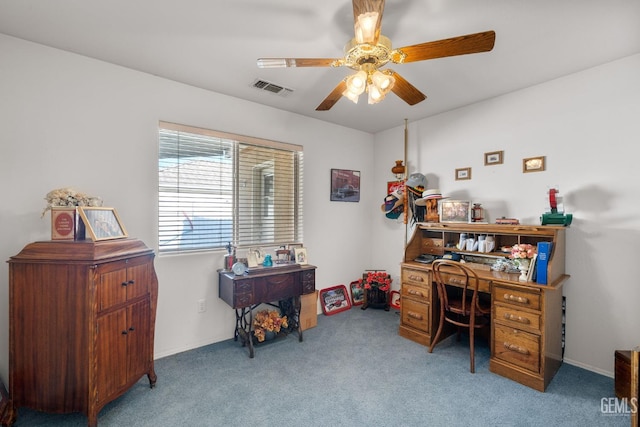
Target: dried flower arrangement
[(68, 197), (268, 321)]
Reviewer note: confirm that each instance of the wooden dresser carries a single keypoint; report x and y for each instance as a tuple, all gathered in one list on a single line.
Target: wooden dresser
[(82, 319), (526, 318)]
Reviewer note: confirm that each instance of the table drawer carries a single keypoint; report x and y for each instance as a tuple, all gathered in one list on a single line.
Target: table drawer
[(516, 347), (421, 293), (418, 277), (415, 314), (515, 318), (518, 297)]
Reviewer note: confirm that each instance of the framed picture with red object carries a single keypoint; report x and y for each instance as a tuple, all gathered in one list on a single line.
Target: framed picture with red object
[(357, 292), (334, 300), (395, 300)]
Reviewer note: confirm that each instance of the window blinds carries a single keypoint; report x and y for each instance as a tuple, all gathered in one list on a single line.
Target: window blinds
[(216, 188)]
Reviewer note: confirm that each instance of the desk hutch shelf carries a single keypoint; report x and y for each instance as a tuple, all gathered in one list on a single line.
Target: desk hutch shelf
[(526, 318)]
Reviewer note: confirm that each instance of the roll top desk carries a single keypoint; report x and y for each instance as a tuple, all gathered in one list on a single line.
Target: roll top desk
[(526, 318)]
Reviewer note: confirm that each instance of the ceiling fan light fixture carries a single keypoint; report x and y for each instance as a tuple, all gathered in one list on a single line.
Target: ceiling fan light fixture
[(375, 94), (365, 27), (357, 83), (384, 82)]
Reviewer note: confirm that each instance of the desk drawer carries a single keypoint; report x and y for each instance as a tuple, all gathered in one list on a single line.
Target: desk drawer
[(415, 314), (456, 280), (517, 297), (418, 277), (421, 293), (432, 246), (515, 318), (517, 347)]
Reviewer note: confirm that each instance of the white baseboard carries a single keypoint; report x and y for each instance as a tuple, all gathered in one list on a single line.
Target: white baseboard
[(589, 368)]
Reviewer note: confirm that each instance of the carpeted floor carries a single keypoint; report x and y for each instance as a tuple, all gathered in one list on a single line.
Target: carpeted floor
[(353, 369)]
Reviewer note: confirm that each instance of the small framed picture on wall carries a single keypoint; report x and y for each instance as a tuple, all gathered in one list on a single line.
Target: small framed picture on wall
[(463, 173)]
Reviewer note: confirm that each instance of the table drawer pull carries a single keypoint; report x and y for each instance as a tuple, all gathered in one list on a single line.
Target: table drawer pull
[(414, 315), (453, 281), (416, 278), (414, 292), (517, 349), (516, 318), (515, 298)]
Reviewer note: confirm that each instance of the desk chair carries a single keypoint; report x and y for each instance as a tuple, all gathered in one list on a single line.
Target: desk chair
[(459, 303)]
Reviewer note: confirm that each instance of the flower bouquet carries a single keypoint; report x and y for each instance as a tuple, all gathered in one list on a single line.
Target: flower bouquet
[(268, 321), (522, 254)]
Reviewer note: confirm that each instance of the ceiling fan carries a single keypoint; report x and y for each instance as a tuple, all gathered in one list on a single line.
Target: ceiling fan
[(369, 50)]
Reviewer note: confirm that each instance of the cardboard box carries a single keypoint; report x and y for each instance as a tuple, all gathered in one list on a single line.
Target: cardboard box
[(309, 311)]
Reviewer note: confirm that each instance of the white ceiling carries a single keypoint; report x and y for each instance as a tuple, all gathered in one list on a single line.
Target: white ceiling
[(214, 44)]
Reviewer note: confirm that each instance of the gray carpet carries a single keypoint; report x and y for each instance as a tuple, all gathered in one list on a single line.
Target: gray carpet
[(353, 369)]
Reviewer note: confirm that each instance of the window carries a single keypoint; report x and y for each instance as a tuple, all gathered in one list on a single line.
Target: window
[(216, 188)]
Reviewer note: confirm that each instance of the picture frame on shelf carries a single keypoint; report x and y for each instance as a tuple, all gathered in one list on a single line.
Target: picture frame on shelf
[(493, 158), (463, 174), (345, 185), (292, 249), (533, 164), (334, 300), (300, 255), (455, 211), (357, 292), (102, 223)]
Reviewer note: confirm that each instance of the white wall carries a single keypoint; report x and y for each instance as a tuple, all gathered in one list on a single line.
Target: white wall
[(68, 120), (72, 121), (588, 127)]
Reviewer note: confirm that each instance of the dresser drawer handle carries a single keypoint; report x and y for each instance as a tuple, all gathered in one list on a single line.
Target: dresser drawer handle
[(515, 318), (517, 349), (416, 278), (414, 292), (414, 315), (515, 298)]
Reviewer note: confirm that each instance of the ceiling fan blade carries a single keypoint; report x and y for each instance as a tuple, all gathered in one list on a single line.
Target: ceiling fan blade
[(461, 45), (367, 20), (406, 91), (296, 62), (333, 97)]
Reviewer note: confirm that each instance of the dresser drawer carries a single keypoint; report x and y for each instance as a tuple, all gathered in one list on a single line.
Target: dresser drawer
[(515, 318), (518, 297), (516, 347), (415, 314), (418, 277), (422, 293)]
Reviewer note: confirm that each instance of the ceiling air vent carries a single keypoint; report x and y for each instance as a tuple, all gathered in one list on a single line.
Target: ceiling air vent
[(271, 87)]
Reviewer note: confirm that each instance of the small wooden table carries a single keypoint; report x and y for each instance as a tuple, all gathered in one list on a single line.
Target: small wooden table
[(283, 284)]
